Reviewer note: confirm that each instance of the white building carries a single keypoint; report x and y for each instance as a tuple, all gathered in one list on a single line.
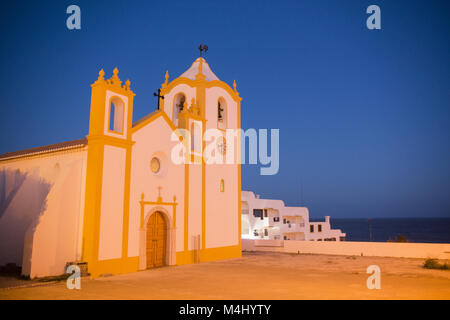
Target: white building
[(272, 220)]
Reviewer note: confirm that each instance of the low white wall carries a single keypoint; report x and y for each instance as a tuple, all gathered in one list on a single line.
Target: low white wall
[(262, 245), (351, 248), (268, 243)]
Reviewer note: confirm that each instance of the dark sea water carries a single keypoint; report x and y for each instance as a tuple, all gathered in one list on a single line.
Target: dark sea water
[(414, 229)]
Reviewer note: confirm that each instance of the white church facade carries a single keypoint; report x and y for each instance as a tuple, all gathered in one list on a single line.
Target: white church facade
[(269, 219), (116, 200)]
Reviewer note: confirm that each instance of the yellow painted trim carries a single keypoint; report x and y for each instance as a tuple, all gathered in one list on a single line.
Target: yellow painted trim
[(188, 115), (91, 223), (193, 158), (159, 202), (118, 89), (97, 140), (174, 212), (97, 113), (239, 186), (169, 122), (206, 84), (115, 266), (131, 264), (221, 253), (157, 114), (209, 254), (126, 204), (142, 214), (110, 141), (201, 102), (217, 83)]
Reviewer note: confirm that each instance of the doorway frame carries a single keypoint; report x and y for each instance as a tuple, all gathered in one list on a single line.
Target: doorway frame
[(170, 254)]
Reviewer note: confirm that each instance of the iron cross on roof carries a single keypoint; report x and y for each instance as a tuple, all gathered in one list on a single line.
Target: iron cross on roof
[(159, 194), (202, 48), (159, 191), (159, 96)]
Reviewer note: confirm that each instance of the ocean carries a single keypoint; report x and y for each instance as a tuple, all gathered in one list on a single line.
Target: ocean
[(431, 230)]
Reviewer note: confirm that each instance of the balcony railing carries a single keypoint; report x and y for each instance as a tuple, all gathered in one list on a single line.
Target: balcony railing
[(296, 225)]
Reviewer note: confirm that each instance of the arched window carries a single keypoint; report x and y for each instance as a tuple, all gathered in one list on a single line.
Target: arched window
[(221, 114), (112, 116), (178, 105), (222, 185), (116, 115)]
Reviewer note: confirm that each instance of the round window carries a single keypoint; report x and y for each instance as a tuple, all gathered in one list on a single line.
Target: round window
[(155, 165)]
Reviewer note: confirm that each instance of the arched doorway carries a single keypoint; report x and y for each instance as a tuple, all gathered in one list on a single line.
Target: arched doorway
[(156, 240)]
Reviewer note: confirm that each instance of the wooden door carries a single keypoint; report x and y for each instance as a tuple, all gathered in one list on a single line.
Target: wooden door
[(156, 240)]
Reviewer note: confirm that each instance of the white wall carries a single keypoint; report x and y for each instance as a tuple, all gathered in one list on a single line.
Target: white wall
[(111, 218), (154, 140), (351, 248), (222, 216), (195, 204), (221, 207), (44, 203)]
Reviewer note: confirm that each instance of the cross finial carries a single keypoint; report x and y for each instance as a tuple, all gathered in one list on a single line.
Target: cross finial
[(202, 48), (159, 194), (200, 75), (159, 96)]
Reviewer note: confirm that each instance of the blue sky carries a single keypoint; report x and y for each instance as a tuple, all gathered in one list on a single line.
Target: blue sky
[(364, 116)]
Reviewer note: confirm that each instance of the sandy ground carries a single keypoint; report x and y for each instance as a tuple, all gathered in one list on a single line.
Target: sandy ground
[(256, 276)]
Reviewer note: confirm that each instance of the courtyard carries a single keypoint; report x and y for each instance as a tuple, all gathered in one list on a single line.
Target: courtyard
[(255, 276)]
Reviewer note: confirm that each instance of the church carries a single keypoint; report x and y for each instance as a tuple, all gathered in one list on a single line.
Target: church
[(116, 201)]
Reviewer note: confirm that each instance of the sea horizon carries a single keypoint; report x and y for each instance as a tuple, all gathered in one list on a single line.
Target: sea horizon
[(419, 230)]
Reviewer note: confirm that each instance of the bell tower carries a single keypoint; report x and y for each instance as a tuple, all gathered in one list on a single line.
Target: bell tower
[(105, 225), (111, 107), (202, 105)]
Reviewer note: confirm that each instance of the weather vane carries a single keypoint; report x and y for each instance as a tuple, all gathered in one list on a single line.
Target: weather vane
[(202, 48)]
